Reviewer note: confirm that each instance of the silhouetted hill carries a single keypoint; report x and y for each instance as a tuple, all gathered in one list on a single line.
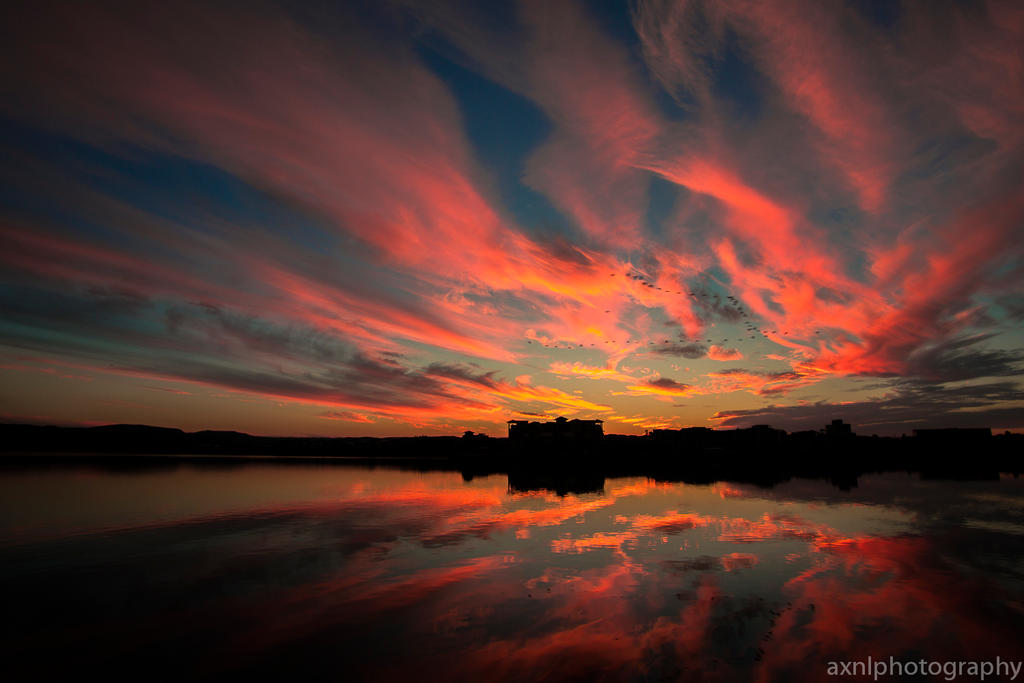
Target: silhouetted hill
[(143, 439)]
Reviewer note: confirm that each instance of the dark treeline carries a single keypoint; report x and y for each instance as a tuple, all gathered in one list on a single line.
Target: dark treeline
[(760, 455)]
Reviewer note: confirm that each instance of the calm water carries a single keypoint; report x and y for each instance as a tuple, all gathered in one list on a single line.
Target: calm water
[(360, 574)]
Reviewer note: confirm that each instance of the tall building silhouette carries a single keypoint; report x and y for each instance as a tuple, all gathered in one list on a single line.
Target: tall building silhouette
[(560, 428)]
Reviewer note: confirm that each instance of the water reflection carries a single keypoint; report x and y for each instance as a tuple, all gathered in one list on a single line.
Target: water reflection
[(362, 574)]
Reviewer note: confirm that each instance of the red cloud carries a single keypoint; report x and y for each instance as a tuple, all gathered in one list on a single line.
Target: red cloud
[(370, 142)]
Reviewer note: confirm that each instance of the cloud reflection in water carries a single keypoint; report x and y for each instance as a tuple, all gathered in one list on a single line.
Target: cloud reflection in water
[(385, 575)]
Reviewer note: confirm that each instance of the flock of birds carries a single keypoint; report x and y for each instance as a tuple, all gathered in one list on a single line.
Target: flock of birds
[(713, 301)]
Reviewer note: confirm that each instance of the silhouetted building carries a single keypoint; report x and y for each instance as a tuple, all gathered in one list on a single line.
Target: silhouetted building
[(748, 439), (766, 434), (838, 430), (561, 428)]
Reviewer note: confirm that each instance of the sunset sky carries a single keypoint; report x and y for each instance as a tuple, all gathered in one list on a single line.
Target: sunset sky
[(393, 218)]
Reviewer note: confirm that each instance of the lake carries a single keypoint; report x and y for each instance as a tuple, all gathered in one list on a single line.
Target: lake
[(290, 569)]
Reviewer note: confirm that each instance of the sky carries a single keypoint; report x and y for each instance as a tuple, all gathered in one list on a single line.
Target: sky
[(395, 217)]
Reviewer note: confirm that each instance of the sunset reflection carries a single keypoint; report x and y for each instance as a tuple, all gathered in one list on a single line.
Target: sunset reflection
[(388, 575)]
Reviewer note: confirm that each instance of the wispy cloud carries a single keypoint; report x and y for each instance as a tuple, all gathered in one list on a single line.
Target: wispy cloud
[(341, 219)]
